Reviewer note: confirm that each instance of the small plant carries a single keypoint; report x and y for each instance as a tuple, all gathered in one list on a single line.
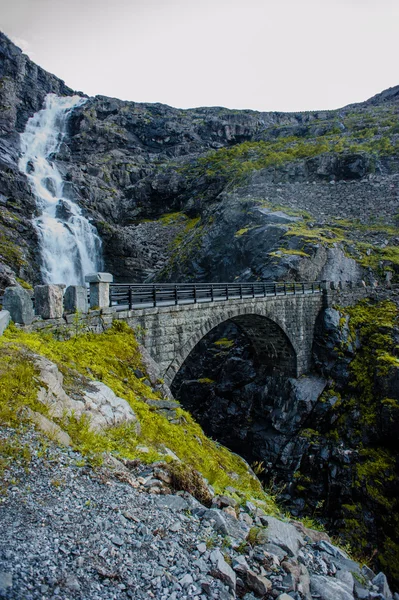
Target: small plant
[(258, 467)]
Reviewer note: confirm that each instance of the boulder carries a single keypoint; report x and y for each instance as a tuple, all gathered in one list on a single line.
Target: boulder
[(19, 304), (97, 400), (328, 588), (285, 535), (222, 570), (258, 584), (381, 583)]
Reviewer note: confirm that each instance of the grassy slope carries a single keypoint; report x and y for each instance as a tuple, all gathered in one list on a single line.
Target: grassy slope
[(112, 358)]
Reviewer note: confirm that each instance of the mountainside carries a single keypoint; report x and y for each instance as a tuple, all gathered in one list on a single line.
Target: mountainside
[(174, 193), (211, 194)]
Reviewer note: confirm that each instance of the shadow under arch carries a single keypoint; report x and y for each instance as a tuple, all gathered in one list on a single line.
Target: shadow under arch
[(272, 346)]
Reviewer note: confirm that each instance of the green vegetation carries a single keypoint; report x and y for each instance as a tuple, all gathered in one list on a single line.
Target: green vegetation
[(10, 253), (112, 358), (235, 162), (224, 343), (288, 252)]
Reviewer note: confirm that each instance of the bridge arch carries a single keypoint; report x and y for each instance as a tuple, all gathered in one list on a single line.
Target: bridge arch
[(272, 343)]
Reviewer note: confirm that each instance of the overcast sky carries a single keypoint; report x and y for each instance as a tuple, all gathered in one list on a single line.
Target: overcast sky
[(266, 55)]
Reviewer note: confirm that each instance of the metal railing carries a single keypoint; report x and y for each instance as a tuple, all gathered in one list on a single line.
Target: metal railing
[(144, 295)]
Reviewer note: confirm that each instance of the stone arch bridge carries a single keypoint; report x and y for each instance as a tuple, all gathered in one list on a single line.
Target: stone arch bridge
[(170, 319), (278, 319)]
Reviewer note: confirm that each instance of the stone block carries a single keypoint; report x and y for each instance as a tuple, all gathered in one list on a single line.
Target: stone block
[(99, 278), (5, 318), (75, 299), (49, 301), (18, 303)]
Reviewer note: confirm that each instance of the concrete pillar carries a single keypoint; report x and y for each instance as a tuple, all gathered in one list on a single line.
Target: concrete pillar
[(75, 299), (99, 289), (19, 304), (49, 301), (5, 318)]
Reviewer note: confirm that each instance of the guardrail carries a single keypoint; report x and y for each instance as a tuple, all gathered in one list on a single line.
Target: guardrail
[(146, 295)]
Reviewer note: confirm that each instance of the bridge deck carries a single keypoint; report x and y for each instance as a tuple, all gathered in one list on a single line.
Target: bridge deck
[(130, 296)]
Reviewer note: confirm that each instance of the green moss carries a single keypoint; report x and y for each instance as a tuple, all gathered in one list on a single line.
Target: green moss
[(10, 253), (24, 284), (241, 232), (206, 380), (18, 384), (288, 252), (224, 343)]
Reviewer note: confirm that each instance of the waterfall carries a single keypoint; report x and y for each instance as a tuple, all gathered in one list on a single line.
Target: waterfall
[(70, 246)]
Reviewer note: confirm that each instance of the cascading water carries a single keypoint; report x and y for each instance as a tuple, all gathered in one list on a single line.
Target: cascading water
[(69, 244)]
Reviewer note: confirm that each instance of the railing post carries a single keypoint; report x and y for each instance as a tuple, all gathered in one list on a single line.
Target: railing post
[(275, 289), (253, 290), (264, 290), (241, 291), (99, 289), (195, 293), (303, 288), (294, 289), (154, 295), (227, 291), (312, 287), (176, 296), (285, 289), (212, 295), (130, 297)]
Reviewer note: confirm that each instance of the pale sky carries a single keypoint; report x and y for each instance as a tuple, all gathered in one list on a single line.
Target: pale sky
[(286, 55)]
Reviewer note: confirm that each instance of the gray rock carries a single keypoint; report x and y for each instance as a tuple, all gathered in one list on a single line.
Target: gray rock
[(226, 524), (346, 578), (258, 584), (75, 299), (284, 535), (381, 583), (222, 570), (240, 564), (329, 588), (332, 550), (368, 573), (18, 303), (172, 502), (49, 301), (51, 429), (276, 550), (5, 582), (5, 319), (98, 401)]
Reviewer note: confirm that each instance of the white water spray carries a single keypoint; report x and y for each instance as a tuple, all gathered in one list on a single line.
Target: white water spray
[(69, 244)]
